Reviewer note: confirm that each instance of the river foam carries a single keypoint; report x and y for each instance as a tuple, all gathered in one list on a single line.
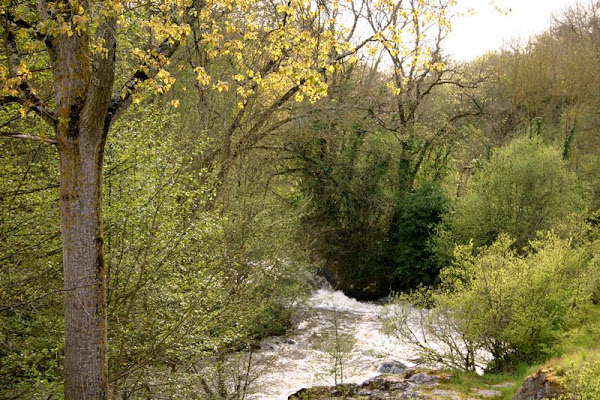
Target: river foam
[(303, 358)]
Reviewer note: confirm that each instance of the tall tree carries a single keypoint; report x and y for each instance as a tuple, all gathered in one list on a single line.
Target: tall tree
[(75, 44), (411, 35)]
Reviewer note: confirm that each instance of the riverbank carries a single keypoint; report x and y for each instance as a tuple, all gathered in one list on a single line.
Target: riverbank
[(335, 339), (413, 384), (572, 376)]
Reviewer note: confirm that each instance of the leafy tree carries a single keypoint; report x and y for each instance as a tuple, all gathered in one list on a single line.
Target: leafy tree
[(511, 306), (411, 35), (552, 78), (75, 45), (419, 214), (181, 287), (343, 182), (187, 283), (346, 163), (525, 187)]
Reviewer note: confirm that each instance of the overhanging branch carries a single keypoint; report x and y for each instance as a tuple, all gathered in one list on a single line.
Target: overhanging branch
[(124, 98), (21, 23), (164, 51)]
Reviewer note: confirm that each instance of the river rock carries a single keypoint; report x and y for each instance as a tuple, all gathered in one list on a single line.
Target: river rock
[(487, 393), (378, 388), (422, 378), (540, 385), (447, 394), (503, 385), (391, 367)]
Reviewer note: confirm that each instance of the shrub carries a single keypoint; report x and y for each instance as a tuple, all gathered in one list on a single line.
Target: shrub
[(418, 215), (500, 307), (579, 374), (582, 381), (524, 188)]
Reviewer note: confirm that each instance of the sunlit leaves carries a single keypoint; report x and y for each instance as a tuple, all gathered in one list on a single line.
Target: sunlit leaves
[(410, 33)]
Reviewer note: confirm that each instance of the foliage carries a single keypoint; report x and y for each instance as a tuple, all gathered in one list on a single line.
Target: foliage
[(284, 142), (525, 187), (181, 290), (420, 320), (75, 45), (582, 381), (31, 325), (31, 349), (419, 212), (353, 195), (343, 177), (511, 307)]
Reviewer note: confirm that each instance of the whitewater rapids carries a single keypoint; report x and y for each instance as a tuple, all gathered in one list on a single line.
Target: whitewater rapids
[(300, 359)]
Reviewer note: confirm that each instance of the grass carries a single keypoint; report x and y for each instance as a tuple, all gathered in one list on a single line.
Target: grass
[(464, 382), (579, 349)]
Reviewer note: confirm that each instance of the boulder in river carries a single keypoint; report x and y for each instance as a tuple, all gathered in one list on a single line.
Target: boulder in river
[(391, 367)]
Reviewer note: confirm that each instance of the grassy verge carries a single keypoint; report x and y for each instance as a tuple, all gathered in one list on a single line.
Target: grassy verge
[(465, 383), (577, 367)]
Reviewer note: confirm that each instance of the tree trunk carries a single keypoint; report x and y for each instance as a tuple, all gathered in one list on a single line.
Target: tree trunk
[(83, 85), (86, 362)]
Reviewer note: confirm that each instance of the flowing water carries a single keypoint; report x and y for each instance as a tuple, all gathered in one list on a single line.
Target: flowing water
[(304, 357)]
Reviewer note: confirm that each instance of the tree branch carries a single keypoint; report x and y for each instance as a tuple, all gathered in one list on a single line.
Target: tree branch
[(124, 98), (29, 98), (21, 23), (16, 135), (10, 99), (164, 51)]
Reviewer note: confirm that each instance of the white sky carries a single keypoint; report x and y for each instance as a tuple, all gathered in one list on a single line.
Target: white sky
[(488, 29)]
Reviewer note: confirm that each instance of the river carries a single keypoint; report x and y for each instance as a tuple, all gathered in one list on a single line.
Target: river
[(304, 357)]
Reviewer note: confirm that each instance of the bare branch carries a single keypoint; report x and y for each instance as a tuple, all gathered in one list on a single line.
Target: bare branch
[(16, 135)]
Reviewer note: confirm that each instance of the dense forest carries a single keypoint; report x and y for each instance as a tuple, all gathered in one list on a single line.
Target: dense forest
[(175, 173)]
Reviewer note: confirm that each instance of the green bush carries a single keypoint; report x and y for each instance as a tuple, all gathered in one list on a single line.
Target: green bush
[(418, 214), (500, 306), (582, 382), (579, 374), (525, 187)]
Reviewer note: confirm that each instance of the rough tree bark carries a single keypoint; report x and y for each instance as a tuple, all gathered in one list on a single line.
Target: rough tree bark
[(86, 363), (83, 87)]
